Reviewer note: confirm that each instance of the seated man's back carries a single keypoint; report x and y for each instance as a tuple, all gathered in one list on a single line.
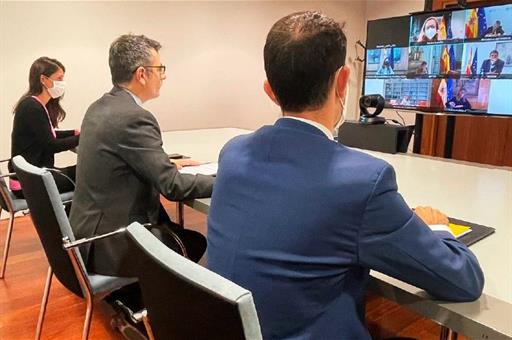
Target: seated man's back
[(122, 168), (299, 219)]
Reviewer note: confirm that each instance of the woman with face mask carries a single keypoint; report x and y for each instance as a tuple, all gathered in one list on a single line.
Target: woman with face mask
[(36, 119), (429, 30)]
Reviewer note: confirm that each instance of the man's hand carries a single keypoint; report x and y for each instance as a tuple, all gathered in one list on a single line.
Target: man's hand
[(180, 163), (431, 216)]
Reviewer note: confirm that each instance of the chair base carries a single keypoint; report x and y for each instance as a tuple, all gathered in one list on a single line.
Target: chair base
[(7, 244)]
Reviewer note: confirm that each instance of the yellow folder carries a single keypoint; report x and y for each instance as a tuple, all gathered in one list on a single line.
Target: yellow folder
[(459, 230)]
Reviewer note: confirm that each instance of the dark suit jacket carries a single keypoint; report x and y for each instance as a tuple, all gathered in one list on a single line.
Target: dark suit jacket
[(299, 220), (121, 172), (498, 66)]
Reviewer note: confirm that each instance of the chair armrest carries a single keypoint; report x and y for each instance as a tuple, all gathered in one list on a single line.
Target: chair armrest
[(67, 244)]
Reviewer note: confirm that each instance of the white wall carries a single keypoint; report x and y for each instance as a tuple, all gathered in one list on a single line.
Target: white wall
[(213, 52)]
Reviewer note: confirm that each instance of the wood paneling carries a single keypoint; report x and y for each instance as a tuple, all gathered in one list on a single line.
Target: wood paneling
[(483, 140), (433, 135)]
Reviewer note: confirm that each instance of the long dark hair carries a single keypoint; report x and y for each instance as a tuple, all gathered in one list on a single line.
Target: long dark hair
[(44, 66)]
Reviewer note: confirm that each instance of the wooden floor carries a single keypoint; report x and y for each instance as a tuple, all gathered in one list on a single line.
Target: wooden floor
[(21, 292)]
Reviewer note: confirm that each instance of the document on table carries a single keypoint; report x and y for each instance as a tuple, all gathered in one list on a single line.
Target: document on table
[(202, 169), (468, 232), (459, 230)]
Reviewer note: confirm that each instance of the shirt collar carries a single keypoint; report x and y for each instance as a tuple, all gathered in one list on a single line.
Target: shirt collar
[(315, 124), (135, 98)]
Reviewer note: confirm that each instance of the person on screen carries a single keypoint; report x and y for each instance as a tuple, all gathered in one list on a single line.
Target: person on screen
[(385, 69), (299, 219), (493, 65), (406, 101), (459, 102), (495, 30), (422, 69), (429, 30)]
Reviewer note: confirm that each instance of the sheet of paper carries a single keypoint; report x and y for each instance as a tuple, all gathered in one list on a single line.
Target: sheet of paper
[(203, 169)]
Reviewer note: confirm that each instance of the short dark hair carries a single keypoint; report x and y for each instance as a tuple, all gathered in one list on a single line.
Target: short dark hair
[(302, 53), (494, 51), (127, 53)]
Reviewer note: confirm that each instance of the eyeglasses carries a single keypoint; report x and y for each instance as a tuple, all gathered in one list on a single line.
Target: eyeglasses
[(160, 68)]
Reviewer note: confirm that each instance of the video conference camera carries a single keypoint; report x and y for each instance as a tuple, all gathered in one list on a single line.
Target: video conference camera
[(375, 101)]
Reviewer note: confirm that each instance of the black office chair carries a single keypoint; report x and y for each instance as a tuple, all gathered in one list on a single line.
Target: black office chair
[(12, 205), (187, 301), (52, 225)]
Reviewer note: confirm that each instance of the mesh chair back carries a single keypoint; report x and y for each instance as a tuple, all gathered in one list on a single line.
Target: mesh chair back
[(187, 301), (49, 219)]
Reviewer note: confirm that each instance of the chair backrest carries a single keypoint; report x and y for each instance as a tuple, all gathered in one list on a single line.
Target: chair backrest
[(5, 193), (50, 220), (187, 301)]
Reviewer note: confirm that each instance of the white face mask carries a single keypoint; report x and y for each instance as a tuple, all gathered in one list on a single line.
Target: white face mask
[(430, 32), (343, 110), (58, 89)]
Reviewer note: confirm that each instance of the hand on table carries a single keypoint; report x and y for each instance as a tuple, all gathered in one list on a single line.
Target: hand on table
[(180, 163), (431, 216)]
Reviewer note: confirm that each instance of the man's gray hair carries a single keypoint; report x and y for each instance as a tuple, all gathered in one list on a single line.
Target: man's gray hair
[(127, 53)]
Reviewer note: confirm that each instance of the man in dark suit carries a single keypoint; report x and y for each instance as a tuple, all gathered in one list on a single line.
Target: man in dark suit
[(495, 30), (122, 168), (299, 220), (493, 65)]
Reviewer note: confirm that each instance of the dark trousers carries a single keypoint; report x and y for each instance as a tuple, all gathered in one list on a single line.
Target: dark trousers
[(64, 179), (195, 243)]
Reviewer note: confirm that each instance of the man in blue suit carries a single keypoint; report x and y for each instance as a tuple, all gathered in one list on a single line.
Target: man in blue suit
[(299, 219)]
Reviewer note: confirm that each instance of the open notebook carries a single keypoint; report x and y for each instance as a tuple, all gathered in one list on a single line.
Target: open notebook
[(202, 169)]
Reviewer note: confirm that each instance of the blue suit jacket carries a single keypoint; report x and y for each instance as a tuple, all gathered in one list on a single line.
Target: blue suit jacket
[(299, 220)]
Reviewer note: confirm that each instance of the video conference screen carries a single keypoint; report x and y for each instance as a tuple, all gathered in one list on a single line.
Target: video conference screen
[(450, 61)]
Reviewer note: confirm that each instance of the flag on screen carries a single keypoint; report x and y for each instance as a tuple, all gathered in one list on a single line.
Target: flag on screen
[(441, 34), (445, 60), (482, 22), (449, 89), (453, 62), (472, 25), (470, 62), (474, 63), (449, 33), (442, 92)]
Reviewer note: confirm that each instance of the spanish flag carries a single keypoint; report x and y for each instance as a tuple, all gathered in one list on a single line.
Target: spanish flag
[(441, 34), (472, 25), (470, 62), (442, 92), (445, 60)]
